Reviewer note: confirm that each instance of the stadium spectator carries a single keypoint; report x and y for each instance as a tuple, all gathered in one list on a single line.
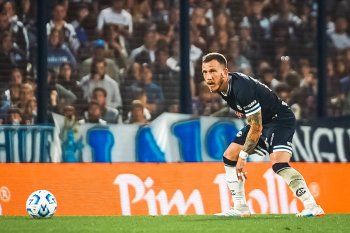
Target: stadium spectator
[(10, 57), (141, 12), (136, 115), (146, 53), (18, 31), (14, 116), (223, 22), (99, 78), (339, 37), (30, 112), (79, 24), (117, 46), (14, 94), (4, 106), (282, 90), (68, 80), (285, 18), (241, 61), (58, 22), (118, 16), (173, 62), (345, 93), (160, 13), (258, 23), (93, 115), (59, 95), (58, 53), (15, 78), (26, 14), (70, 122), (206, 103), (110, 115), (155, 97), (141, 96), (168, 80), (99, 52), (267, 76), (26, 93)]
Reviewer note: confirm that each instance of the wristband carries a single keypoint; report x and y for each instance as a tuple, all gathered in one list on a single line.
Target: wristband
[(243, 155)]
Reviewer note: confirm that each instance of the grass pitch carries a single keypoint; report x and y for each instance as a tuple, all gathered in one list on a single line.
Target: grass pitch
[(202, 224)]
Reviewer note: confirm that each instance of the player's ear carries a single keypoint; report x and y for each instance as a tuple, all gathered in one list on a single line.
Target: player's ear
[(225, 71)]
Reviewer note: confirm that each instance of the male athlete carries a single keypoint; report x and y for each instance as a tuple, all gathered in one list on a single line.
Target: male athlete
[(271, 125)]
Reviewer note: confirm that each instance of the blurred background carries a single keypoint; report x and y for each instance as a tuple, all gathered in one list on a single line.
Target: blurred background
[(126, 62)]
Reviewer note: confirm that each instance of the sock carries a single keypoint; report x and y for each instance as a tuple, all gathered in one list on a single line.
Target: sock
[(235, 186), (295, 182)]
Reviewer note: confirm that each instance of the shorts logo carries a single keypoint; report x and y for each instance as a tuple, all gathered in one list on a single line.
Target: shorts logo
[(233, 192), (239, 107), (300, 192), (239, 134)]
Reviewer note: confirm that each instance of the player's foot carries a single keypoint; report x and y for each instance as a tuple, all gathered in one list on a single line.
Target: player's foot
[(314, 211), (239, 211)]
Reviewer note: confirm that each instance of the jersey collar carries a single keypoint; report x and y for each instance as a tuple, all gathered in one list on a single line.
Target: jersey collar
[(229, 79)]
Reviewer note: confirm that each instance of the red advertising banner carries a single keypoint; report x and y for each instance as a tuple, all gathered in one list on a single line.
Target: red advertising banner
[(161, 189)]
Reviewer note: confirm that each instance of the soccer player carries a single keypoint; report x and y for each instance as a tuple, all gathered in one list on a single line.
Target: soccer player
[(270, 129)]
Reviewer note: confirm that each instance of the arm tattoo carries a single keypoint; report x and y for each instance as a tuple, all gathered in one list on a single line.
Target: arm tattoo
[(255, 122)]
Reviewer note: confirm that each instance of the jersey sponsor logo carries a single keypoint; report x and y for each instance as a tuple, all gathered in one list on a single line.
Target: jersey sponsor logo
[(300, 192)]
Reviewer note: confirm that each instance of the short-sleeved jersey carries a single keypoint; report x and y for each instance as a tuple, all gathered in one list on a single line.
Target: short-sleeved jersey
[(248, 96)]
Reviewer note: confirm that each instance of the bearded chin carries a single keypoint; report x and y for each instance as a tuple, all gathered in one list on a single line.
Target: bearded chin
[(220, 84)]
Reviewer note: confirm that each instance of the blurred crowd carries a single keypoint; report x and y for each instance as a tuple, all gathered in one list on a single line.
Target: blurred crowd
[(117, 61)]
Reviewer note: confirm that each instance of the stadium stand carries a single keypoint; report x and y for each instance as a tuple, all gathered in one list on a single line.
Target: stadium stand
[(137, 43)]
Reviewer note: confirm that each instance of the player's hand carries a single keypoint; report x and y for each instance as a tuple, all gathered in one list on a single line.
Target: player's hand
[(241, 174)]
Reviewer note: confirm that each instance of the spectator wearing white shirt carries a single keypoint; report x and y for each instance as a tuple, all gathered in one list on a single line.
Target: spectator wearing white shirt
[(339, 37), (58, 22), (116, 15)]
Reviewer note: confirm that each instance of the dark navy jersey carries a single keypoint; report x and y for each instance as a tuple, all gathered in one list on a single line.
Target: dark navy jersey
[(248, 96)]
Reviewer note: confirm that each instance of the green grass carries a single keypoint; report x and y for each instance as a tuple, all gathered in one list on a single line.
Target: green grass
[(201, 224)]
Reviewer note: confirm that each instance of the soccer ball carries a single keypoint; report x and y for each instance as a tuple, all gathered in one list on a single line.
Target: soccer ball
[(41, 204)]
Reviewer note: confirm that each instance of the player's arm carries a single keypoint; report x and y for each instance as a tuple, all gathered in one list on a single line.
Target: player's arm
[(255, 122)]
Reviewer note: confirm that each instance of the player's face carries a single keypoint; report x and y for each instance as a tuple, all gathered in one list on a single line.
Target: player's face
[(215, 75)]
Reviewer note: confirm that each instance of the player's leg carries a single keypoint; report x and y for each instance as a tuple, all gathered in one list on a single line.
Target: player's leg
[(235, 185), (281, 153)]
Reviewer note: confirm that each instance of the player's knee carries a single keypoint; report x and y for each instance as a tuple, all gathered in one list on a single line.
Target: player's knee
[(230, 155), (280, 157), (232, 152)]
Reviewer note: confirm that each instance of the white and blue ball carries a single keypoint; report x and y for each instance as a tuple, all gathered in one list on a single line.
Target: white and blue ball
[(41, 204)]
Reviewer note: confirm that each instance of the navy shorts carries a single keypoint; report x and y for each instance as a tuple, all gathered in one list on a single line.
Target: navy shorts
[(276, 136)]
